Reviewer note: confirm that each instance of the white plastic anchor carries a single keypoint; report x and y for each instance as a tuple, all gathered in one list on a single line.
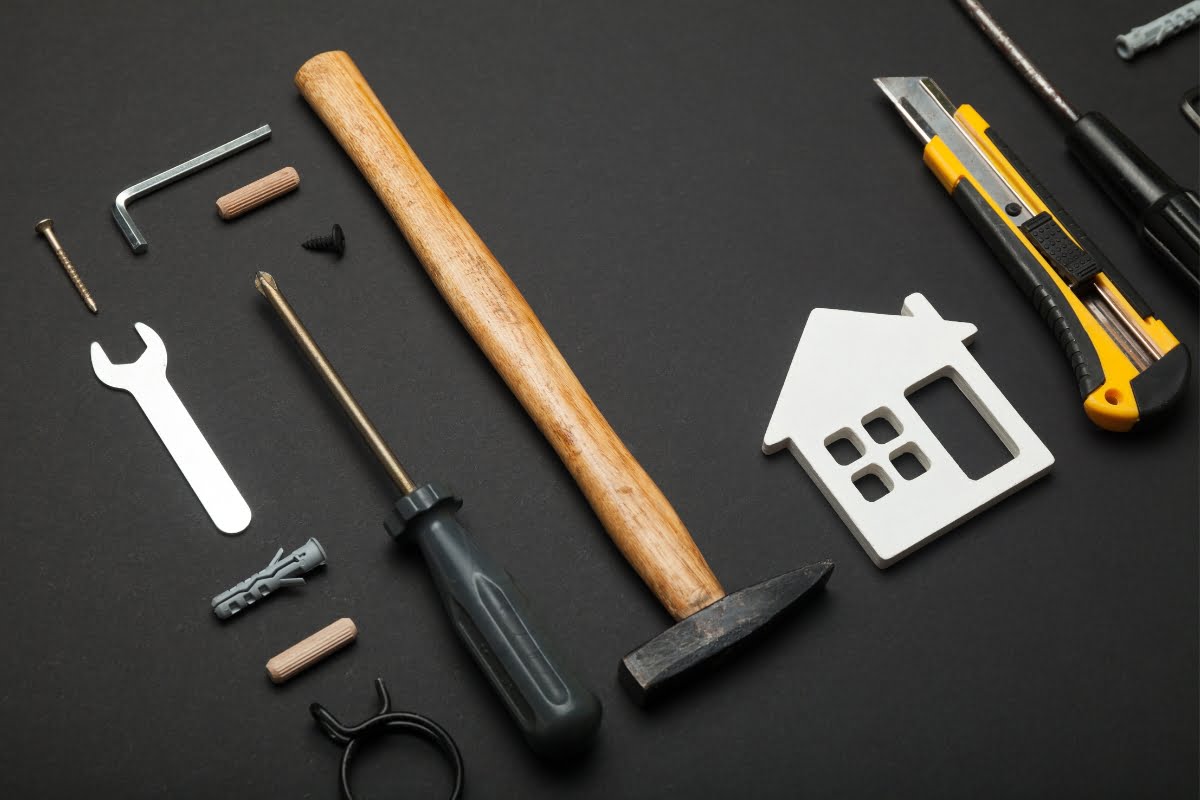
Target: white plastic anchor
[(146, 380)]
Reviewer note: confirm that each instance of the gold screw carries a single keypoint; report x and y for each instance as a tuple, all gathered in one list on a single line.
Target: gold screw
[(45, 228)]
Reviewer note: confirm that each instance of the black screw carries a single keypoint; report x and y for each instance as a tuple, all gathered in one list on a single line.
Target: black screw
[(335, 242), (1012, 209)]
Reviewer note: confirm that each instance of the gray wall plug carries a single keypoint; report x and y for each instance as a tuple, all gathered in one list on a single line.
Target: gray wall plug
[(281, 573), (1156, 31)]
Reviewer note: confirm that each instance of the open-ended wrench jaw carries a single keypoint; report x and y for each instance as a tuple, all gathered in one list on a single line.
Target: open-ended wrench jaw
[(146, 380), (150, 364)]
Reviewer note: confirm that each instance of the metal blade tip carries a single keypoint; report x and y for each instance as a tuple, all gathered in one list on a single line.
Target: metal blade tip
[(896, 87)]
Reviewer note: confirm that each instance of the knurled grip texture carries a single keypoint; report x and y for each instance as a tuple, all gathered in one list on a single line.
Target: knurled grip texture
[(261, 192), (1035, 283)]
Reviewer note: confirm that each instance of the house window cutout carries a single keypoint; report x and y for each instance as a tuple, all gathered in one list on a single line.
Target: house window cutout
[(882, 425), (872, 483), (909, 462), (850, 362), (975, 444), (844, 446)]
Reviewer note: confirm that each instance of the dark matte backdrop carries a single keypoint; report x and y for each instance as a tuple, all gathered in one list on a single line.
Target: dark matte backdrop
[(673, 186)]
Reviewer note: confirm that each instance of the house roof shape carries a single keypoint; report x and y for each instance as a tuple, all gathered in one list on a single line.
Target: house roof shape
[(851, 367), (857, 351)]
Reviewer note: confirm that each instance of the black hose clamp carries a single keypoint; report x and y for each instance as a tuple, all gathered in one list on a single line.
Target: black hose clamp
[(388, 721)]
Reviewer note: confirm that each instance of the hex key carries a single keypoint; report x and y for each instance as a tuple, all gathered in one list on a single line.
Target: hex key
[(121, 214)]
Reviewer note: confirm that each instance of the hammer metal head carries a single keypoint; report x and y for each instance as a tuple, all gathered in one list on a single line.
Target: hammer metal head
[(689, 644)]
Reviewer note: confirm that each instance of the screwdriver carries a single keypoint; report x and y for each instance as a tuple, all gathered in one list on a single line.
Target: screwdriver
[(556, 714), (1165, 215)]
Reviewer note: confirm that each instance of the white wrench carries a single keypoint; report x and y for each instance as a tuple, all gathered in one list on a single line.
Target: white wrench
[(146, 380)]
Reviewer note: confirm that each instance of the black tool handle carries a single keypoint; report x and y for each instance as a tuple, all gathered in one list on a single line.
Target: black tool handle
[(558, 716), (1166, 215), (1157, 388)]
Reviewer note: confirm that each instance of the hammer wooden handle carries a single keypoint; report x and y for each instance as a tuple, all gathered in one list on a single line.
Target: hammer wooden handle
[(632, 508)]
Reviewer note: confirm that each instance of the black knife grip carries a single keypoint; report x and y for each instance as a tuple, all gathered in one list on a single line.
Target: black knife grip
[(1037, 285)]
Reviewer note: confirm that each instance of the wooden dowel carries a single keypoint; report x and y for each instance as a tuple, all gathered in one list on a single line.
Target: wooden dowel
[(304, 654), (260, 192)]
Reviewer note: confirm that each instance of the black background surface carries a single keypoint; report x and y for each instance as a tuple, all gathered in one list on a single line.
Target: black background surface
[(673, 186)]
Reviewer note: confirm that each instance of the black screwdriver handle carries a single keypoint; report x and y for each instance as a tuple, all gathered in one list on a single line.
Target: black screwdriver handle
[(1166, 215), (558, 716)]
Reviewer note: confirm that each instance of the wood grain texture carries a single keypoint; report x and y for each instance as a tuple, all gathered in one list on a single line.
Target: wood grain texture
[(260, 192), (305, 653), (632, 508)]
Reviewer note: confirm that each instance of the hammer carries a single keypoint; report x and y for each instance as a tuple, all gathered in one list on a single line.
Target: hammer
[(633, 510)]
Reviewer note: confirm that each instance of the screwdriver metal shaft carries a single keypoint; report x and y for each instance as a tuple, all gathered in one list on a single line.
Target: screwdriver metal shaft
[(1165, 215), (488, 612), (267, 288), (1021, 62)]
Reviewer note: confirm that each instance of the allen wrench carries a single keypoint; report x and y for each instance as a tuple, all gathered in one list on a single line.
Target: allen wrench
[(133, 234), (387, 721), (1189, 104)]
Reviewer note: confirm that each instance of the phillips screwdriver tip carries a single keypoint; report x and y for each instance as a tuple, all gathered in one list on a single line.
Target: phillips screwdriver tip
[(264, 278)]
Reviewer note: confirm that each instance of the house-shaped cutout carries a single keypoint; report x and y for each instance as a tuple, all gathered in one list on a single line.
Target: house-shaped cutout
[(851, 368)]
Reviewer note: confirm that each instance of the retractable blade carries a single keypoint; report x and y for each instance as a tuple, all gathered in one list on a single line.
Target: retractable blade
[(1127, 364)]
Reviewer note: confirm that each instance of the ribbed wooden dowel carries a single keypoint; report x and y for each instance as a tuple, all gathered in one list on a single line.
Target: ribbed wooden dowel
[(253, 195), (303, 655)]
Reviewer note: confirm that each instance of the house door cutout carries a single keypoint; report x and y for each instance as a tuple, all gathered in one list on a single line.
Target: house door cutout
[(845, 414)]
